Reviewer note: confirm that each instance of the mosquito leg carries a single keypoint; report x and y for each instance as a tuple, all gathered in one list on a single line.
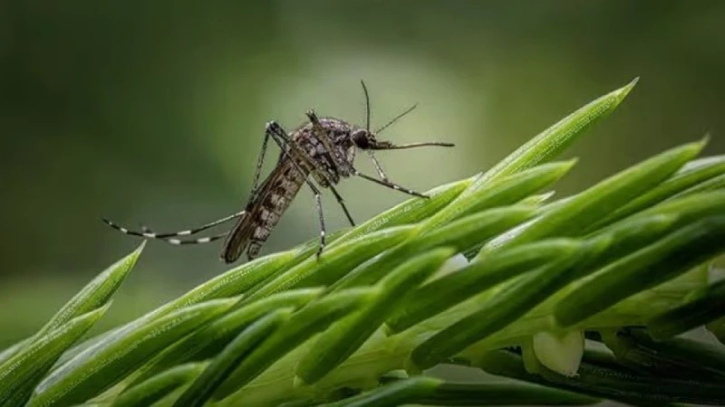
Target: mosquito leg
[(323, 232), (147, 233), (260, 162), (200, 240), (390, 185), (285, 143), (342, 204), (170, 240), (271, 130), (274, 129), (378, 167)]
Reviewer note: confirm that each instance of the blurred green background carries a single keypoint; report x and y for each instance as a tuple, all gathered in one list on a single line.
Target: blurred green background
[(153, 113)]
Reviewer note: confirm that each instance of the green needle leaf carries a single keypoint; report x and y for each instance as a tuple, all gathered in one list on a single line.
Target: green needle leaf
[(447, 291), (157, 387), (395, 394), (557, 138), (690, 208), (503, 191), (677, 358), (504, 394), (473, 230), (10, 351), (213, 337), (308, 321), (461, 235), (229, 284), (659, 262), (633, 234), (506, 192), (504, 308), (574, 216), (692, 174), (334, 263), (91, 302), (97, 368), (706, 305), (431, 391), (20, 373), (603, 377), (223, 365), (95, 294), (411, 211), (344, 337), (709, 185), (232, 283)]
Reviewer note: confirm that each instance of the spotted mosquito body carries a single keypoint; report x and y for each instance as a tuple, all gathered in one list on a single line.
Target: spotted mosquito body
[(320, 154)]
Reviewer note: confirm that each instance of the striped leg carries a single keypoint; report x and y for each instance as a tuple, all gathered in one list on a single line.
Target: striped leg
[(199, 240), (378, 167), (320, 214), (342, 204), (258, 170), (171, 237), (390, 185)]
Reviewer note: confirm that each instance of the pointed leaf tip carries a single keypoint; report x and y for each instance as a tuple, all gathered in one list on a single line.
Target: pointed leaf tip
[(22, 372), (624, 91), (558, 137), (101, 366), (100, 311), (95, 294), (697, 146), (568, 164), (705, 140)]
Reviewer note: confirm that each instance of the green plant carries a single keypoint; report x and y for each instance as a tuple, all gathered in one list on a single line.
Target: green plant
[(488, 273)]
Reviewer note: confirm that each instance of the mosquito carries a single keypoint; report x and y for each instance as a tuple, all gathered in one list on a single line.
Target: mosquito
[(319, 154)]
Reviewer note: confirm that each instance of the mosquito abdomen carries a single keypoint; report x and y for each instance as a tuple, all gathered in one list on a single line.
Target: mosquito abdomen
[(276, 197)]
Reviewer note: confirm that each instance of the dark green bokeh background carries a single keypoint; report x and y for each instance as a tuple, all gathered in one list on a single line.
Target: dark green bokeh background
[(153, 112)]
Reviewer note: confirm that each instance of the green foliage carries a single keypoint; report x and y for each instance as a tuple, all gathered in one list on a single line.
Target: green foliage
[(486, 273), (159, 386)]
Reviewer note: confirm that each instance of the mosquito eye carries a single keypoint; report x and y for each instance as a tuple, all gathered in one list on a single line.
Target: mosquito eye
[(360, 138)]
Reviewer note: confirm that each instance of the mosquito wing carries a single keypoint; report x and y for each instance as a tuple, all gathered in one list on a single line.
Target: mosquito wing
[(263, 211), (238, 239)]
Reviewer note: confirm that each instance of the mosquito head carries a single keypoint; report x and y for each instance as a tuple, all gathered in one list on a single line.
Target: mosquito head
[(363, 139)]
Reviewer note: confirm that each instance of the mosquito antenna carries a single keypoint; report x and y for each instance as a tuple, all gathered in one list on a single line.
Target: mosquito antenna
[(367, 105), (398, 117)]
